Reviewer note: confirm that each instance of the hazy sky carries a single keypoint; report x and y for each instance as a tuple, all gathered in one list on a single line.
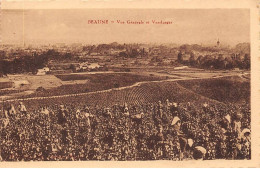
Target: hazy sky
[(71, 26)]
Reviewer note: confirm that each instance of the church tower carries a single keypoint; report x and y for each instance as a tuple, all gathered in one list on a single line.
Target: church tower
[(218, 43)]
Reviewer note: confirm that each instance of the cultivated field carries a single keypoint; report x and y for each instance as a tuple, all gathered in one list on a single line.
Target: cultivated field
[(50, 85), (223, 96), (215, 90), (227, 89)]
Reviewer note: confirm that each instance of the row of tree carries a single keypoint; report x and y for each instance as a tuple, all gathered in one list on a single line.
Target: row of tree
[(210, 62), (31, 63)]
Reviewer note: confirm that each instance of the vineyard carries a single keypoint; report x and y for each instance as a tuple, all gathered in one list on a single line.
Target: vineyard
[(94, 82), (227, 89), (6, 92), (104, 77), (4, 85), (115, 130), (219, 90), (145, 93)]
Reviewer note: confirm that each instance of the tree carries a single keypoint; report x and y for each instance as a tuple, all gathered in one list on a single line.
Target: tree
[(134, 53), (247, 61), (180, 58), (72, 67), (192, 59), (123, 54)]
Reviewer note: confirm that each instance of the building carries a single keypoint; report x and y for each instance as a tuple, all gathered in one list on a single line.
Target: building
[(88, 66), (43, 71), (94, 66)]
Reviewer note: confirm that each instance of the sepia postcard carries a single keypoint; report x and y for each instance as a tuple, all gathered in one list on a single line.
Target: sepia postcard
[(129, 83)]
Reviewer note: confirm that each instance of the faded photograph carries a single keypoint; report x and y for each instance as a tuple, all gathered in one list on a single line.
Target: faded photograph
[(125, 84)]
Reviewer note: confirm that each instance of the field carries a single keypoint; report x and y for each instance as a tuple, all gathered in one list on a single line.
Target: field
[(120, 131), (28, 85), (227, 89), (93, 82), (124, 78), (106, 89), (5, 92), (217, 91), (4, 85)]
